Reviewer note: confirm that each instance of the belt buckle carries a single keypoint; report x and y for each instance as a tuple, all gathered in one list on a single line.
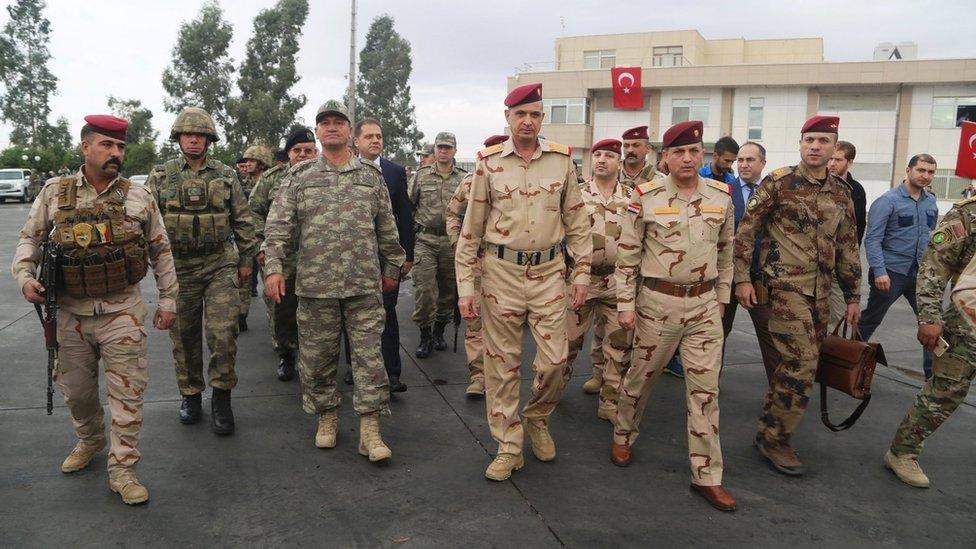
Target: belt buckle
[(686, 289)]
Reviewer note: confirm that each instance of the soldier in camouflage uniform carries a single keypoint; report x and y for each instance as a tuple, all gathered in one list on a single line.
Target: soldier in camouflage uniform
[(348, 248), (810, 238), (203, 206), (677, 240), (429, 192), (97, 213), (606, 202), (635, 167), (474, 345), (258, 160), (950, 255), (299, 146)]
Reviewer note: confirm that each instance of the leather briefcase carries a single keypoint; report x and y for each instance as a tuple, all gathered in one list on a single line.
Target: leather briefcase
[(847, 365)]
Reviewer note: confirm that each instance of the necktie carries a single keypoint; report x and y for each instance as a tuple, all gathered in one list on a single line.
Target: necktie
[(750, 188)]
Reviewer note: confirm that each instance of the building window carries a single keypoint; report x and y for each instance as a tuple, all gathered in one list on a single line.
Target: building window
[(951, 112), (689, 109), (668, 56), (566, 111), (756, 117), (947, 185), (599, 59)]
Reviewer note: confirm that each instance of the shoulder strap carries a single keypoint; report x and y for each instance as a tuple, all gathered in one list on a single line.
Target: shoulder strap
[(172, 171), (67, 193), (847, 423)]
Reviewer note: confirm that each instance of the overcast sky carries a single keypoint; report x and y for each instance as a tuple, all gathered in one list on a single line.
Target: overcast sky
[(462, 51)]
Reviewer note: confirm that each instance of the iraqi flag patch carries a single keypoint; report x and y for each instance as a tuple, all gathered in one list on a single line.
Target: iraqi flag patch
[(634, 208)]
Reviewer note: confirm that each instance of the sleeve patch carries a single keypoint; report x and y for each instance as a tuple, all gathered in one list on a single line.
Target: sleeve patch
[(634, 208), (940, 238), (957, 229)]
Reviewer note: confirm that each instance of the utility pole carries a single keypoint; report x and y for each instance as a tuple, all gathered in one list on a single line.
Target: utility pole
[(351, 94)]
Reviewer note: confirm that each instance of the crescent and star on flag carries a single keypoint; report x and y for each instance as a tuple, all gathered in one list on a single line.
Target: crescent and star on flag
[(626, 87)]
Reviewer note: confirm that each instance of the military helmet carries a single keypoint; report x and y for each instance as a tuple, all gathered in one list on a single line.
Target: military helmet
[(259, 153), (194, 120)]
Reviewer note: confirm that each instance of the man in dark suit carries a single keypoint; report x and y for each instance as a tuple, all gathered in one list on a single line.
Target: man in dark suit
[(368, 138)]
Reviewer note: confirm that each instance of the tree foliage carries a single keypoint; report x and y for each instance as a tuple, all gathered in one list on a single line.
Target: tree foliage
[(383, 92), (51, 158), (139, 117), (265, 106), (24, 56)]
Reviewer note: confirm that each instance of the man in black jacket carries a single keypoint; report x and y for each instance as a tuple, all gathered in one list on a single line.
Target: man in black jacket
[(840, 165)]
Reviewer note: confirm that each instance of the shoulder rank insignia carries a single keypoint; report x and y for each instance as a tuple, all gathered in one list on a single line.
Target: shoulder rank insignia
[(724, 187), (494, 149), (780, 173), (645, 187), (560, 148)]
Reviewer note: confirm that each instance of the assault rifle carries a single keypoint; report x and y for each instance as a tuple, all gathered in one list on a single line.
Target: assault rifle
[(48, 277)]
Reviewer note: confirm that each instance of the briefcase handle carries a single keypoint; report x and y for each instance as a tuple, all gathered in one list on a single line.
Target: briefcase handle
[(841, 330)]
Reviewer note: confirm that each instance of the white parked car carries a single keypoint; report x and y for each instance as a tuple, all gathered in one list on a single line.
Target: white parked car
[(139, 179), (15, 184)]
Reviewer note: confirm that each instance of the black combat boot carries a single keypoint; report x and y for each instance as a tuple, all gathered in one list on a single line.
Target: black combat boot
[(439, 343), (286, 366), (190, 409), (423, 350), (241, 323), (221, 415), (396, 386)]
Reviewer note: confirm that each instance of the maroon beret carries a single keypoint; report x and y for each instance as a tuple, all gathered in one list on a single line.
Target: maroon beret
[(683, 133), (529, 93), (640, 132), (495, 139), (823, 124), (612, 145), (107, 125)]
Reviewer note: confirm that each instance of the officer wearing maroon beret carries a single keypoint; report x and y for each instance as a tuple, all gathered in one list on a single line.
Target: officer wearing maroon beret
[(673, 278), (810, 238), (636, 168)]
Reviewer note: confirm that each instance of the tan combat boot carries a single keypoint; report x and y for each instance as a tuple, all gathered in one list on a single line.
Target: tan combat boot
[(907, 470), (370, 442), (592, 385), (502, 466), (325, 435), (80, 457), (124, 483), (542, 444), (476, 388)]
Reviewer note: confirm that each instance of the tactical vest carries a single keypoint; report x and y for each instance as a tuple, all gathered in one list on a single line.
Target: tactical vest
[(99, 257), (195, 212)]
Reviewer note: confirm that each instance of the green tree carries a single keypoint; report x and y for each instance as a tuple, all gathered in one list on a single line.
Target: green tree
[(58, 136), (383, 92), (139, 158), (265, 106), (24, 56), (139, 117), (199, 74)]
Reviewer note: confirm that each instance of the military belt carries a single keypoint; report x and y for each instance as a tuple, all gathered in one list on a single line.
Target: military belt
[(679, 290), (602, 270), (521, 257), (439, 231)]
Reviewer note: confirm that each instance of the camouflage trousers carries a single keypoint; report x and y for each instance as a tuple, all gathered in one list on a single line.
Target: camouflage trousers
[(691, 326), (952, 375), (320, 324), (798, 326), (282, 322), (208, 304), (510, 295), (474, 345), (245, 291), (119, 340), (435, 286), (600, 310)]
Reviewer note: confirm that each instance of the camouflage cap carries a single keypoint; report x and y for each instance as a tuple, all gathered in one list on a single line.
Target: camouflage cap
[(332, 107), (426, 150), (445, 138)]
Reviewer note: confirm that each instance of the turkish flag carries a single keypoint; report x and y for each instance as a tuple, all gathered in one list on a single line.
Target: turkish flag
[(627, 93), (966, 161)]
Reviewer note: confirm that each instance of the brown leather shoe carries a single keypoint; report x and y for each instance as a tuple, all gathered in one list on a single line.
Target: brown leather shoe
[(716, 496), (620, 455), (782, 457)]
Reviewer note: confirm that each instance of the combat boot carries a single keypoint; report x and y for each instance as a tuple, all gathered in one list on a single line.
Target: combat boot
[(325, 436), (397, 386), (370, 443), (438, 336), (221, 414), (125, 484), (286, 366), (190, 409), (781, 456), (502, 466), (543, 446), (476, 388), (906, 469), (80, 456), (593, 385), (424, 349)]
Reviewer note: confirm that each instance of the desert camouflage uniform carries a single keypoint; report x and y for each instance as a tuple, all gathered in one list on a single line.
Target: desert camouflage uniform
[(647, 173), (950, 255), (607, 216), (474, 345), (110, 328), (348, 238), (683, 241), (208, 277), (810, 239)]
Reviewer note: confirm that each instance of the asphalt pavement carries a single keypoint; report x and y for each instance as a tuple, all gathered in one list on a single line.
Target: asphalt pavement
[(267, 485)]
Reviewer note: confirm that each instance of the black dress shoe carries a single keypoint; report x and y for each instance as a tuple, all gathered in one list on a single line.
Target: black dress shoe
[(348, 377), (286, 367), (190, 409), (426, 345), (221, 414), (396, 386), (438, 337)]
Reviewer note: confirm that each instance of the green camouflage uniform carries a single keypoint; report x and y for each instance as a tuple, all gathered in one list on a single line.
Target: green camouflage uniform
[(201, 210), (433, 271), (951, 249), (810, 239), (348, 238), (244, 291)]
